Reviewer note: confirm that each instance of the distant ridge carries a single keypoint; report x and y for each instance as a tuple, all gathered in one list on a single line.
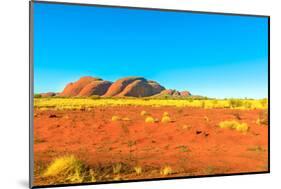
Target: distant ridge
[(124, 87)]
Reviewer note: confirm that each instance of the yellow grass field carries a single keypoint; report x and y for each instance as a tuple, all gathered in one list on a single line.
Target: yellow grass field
[(80, 103)]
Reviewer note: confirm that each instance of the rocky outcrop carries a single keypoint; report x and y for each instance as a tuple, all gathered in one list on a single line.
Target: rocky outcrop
[(95, 88), (86, 86), (138, 88), (134, 86), (185, 93), (156, 87), (119, 85), (174, 93), (124, 87)]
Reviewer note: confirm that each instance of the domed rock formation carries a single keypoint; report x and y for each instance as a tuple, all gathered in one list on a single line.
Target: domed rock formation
[(124, 87), (185, 93), (74, 89), (119, 85), (156, 87), (95, 88), (175, 93), (133, 86), (167, 92), (138, 88)]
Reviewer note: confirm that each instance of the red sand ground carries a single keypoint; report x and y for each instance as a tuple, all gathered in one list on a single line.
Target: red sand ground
[(192, 144)]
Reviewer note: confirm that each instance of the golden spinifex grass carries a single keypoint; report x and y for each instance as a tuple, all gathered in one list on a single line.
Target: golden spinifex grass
[(66, 169), (232, 124), (79, 103)]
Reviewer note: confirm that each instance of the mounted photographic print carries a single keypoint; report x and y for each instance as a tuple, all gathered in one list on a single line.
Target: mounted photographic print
[(121, 94)]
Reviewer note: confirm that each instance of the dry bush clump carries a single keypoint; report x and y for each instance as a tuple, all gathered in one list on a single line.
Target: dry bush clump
[(117, 168), (232, 124), (235, 103), (144, 113), (166, 119), (166, 114), (115, 118), (126, 119), (166, 170), (149, 119), (138, 169), (263, 118), (66, 169)]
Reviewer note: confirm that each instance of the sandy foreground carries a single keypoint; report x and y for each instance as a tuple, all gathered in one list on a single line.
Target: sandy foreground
[(192, 144)]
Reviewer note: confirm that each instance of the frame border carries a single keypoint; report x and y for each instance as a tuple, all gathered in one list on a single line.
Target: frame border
[(31, 94), (31, 91)]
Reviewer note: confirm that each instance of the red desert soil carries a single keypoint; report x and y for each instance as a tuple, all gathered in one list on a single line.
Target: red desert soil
[(192, 144)]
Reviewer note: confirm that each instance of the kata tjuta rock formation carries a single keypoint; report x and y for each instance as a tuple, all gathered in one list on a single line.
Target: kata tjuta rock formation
[(124, 87), (175, 93), (135, 87), (86, 86)]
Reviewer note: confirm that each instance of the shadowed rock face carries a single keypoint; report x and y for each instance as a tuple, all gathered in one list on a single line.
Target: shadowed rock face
[(124, 87), (74, 89), (119, 85), (156, 87), (175, 93), (95, 88), (138, 88), (185, 93), (133, 86), (167, 92)]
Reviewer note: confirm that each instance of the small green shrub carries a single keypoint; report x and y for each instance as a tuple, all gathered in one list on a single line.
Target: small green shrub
[(37, 95)]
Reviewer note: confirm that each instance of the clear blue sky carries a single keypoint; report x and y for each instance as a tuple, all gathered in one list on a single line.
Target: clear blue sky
[(210, 55)]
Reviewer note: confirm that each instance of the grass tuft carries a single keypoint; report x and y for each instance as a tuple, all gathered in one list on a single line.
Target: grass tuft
[(66, 168), (241, 127), (138, 169), (144, 113), (117, 168), (115, 118), (149, 119), (166, 119), (126, 119), (167, 170), (166, 114)]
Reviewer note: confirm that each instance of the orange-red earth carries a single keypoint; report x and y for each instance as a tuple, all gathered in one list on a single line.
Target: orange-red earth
[(192, 144)]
